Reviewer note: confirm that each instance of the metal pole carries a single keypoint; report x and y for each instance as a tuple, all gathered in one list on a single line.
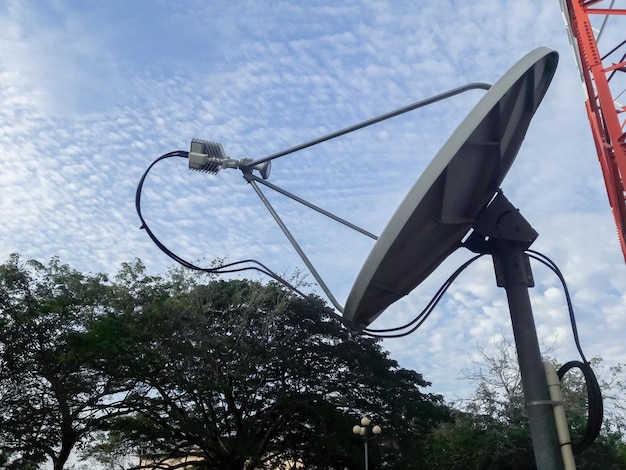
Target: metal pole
[(375, 120), (514, 275), (366, 462)]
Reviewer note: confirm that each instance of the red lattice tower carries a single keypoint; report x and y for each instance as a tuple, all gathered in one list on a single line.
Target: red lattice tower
[(603, 75)]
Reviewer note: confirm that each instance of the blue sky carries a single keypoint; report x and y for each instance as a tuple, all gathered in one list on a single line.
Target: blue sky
[(92, 92)]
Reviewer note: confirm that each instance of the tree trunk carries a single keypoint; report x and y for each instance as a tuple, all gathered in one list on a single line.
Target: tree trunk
[(66, 449), (236, 463)]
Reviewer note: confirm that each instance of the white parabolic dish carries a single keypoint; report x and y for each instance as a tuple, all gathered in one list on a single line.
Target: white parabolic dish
[(459, 182)]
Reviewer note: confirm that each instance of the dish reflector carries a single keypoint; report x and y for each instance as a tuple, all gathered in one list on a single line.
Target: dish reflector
[(440, 208)]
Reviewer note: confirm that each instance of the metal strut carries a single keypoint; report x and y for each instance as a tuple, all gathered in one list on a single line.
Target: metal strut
[(249, 165), (252, 180)]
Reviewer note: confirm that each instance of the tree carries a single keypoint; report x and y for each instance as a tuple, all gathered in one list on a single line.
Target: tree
[(238, 373), (492, 431), (50, 396), (243, 375)]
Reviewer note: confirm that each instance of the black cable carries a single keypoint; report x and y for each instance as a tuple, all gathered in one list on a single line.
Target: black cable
[(595, 407), (550, 264), (424, 314), (220, 269), (595, 411)]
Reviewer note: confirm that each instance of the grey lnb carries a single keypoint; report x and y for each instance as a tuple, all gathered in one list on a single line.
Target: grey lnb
[(206, 156)]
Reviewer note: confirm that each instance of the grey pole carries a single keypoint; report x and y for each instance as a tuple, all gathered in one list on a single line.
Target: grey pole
[(366, 462), (503, 232), (515, 276)]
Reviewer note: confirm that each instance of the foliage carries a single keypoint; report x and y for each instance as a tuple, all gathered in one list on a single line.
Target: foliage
[(492, 432), (239, 374), (244, 374), (50, 398)]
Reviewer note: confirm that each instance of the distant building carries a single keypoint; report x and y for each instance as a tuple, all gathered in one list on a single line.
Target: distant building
[(175, 462)]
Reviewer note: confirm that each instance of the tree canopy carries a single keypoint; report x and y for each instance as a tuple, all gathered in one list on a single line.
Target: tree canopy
[(237, 373), (50, 398), (139, 371), (243, 375)]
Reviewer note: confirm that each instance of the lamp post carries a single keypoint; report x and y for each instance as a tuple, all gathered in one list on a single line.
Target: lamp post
[(367, 431)]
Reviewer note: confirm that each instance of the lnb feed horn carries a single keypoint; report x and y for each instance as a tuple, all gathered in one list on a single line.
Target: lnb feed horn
[(208, 157)]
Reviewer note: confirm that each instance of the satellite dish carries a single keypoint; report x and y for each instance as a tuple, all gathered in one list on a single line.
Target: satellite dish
[(460, 181)]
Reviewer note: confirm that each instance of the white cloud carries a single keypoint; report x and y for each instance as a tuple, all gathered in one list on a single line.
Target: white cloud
[(93, 93)]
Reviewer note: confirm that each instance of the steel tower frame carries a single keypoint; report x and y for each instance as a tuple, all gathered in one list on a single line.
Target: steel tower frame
[(598, 72)]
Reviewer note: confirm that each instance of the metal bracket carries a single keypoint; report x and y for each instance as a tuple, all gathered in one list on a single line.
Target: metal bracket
[(498, 226)]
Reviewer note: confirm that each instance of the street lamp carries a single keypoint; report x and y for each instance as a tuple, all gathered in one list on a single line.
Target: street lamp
[(367, 431)]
